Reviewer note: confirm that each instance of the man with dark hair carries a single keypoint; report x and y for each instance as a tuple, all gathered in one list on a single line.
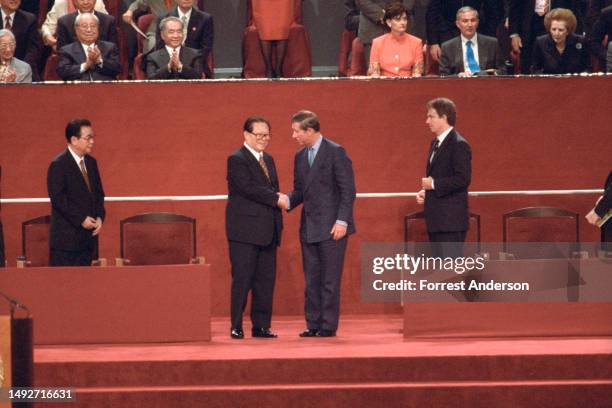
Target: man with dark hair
[(66, 28), (471, 53), (198, 30), (23, 26), (448, 170), (601, 29), (253, 224), (77, 199), (88, 58), (173, 61), (324, 182)]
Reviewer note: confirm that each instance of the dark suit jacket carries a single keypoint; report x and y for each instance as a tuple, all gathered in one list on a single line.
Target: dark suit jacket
[(251, 214), (200, 34), (489, 56), (442, 14), (521, 12), (157, 64), (547, 60), (601, 28), (66, 33), (446, 207), (327, 190), (605, 204), (371, 12), (71, 56), (29, 43), (71, 202)]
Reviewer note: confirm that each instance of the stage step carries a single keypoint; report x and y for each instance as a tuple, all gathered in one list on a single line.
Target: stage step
[(510, 394)]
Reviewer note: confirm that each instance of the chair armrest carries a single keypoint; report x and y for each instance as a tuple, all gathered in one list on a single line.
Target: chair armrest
[(99, 262), (122, 261), (199, 260)]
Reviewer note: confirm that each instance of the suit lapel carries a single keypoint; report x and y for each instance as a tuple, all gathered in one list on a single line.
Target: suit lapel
[(76, 170), (482, 54), (255, 166), (459, 53), (316, 164), (442, 148)]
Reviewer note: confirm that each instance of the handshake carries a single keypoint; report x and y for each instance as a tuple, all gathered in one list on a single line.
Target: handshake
[(283, 201)]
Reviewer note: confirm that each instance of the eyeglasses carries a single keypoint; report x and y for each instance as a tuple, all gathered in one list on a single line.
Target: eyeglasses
[(87, 138), (8, 46), (88, 26), (261, 135)]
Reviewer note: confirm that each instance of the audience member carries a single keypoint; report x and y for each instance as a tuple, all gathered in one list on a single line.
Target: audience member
[(471, 53), (198, 30), (601, 29), (107, 31), (88, 58), (602, 207), (273, 20), (174, 61), (396, 53), (11, 68), (351, 19), (526, 23), (23, 26), (61, 8), (560, 51), (441, 17), (609, 58), (593, 12), (372, 20), (159, 8)]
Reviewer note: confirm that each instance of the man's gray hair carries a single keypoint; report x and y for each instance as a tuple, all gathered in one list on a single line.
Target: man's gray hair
[(162, 24), (83, 15), (5, 32), (466, 9)]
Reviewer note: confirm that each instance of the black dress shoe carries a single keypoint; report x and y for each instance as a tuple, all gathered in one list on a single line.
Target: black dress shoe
[(263, 333), (237, 334), (309, 333), (326, 333)]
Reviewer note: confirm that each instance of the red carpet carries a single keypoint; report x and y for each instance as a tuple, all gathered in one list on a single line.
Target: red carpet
[(368, 364)]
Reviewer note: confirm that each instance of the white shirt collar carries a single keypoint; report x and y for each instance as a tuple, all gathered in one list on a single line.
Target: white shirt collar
[(170, 50), (12, 15), (75, 156), (253, 151), (85, 47), (443, 135), (474, 39), (181, 14)]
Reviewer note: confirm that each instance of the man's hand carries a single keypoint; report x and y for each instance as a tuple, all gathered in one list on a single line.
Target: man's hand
[(95, 55), (10, 75), (427, 183), (175, 62), (420, 197), (592, 217), (517, 44), (283, 201), (435, 51), (50, 40), (465, 74), (89, 223), (338, 231), (127, 16), (96, 230)]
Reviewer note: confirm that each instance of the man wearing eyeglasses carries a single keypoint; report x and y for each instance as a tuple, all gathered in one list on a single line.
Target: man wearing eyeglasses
[(253, 224), (77, 199), (11, 68)]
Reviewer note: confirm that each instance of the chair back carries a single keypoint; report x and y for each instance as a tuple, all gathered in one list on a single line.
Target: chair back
[(35, 240), (158, 239), (415, 229)]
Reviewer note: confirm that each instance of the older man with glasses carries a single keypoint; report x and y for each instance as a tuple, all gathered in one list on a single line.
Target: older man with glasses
[(11, 68)]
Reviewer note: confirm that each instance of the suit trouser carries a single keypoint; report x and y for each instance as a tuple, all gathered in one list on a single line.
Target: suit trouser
[(447, 244), (253, 269), (70, 258), (323, 262), (537, 29)]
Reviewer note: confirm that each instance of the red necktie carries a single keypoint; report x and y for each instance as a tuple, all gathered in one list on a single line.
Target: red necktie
[(7, 23)]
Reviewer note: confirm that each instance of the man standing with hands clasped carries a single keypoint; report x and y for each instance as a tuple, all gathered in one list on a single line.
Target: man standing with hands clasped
[(445, 189), (77, 199), (325, 184)]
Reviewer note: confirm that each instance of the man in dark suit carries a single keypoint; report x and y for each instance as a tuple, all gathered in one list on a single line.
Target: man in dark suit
[(88, 59), (66, 31), (23, 25), (77, 199), (601, 29), (602, 207), (325, 184), (174, 61), (253, 225), (526, 23), (445, 189), (441, 16), (371, 24), (471, 53), (198, 30)]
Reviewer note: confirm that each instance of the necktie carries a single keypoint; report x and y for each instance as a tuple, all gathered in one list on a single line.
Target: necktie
[(7, 23), (262, 163), (85, 176), (434, 148), (472, 64), (184, 20), (311, 156)]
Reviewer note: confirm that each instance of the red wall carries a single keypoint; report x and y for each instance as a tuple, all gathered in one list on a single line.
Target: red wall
[(173, 139)]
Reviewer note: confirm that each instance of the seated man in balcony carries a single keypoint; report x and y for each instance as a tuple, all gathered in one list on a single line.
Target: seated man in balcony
[(11, 68), (88, 58), (174, 61), (66, 34), (61, 8)]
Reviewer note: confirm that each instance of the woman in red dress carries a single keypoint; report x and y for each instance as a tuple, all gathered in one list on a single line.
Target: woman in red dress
[(273, 19)]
